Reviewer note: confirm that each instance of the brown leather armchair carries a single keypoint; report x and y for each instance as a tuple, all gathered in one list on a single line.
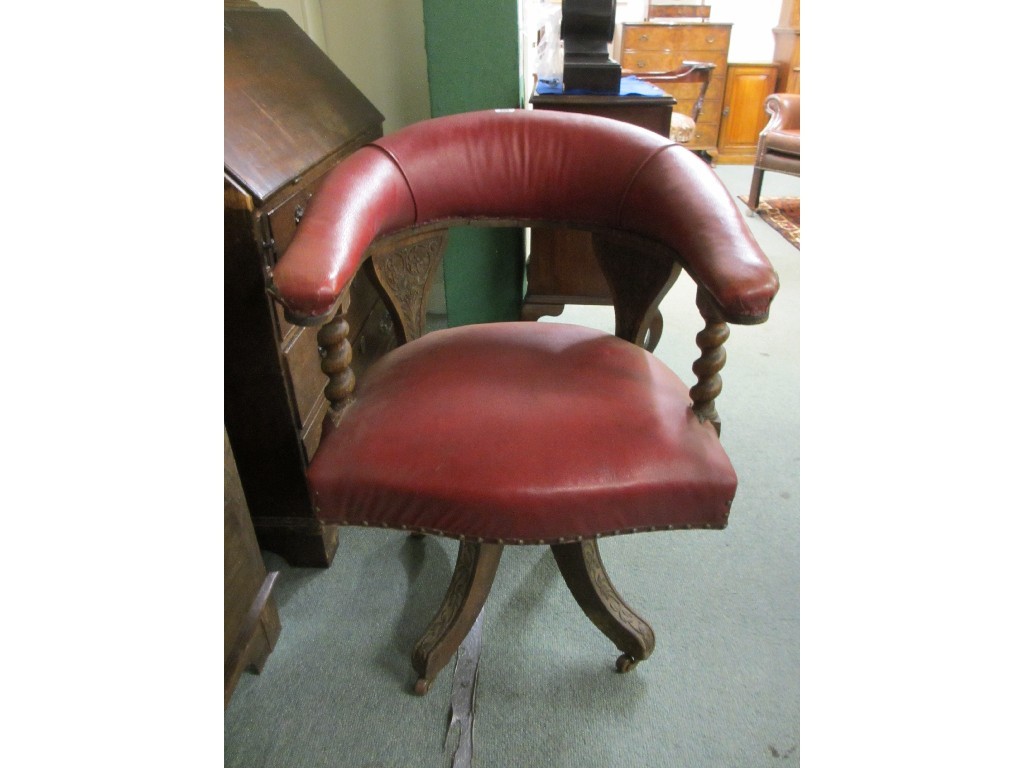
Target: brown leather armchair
[(523, 433), (778, 146)]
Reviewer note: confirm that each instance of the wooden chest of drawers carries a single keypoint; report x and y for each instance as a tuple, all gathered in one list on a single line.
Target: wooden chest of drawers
[(290, 116), (661, 46)]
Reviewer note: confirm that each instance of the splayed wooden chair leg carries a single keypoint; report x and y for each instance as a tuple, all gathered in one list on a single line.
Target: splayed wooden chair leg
[(471, 583), (584, 573)]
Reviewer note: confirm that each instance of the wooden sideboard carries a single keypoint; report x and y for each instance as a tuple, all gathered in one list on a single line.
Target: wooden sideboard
[(290, 115), (657, 46)]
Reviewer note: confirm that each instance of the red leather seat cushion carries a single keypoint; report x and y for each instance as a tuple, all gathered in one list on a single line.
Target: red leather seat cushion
[(531, 432)]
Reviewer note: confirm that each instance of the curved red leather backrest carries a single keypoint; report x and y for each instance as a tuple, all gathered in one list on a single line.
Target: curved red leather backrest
[(538, 166)]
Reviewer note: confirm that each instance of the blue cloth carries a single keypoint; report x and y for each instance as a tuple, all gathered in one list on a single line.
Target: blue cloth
[(630, 86)]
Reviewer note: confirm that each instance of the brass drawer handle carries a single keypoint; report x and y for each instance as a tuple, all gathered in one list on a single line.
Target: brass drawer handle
[(641, 63), (710, 40), (644, 38)]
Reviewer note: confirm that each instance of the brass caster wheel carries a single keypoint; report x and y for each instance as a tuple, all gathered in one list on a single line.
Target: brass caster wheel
[(422, 686), (624, 663)]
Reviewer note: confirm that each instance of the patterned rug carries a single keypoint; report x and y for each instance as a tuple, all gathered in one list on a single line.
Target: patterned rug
[(782, 214)]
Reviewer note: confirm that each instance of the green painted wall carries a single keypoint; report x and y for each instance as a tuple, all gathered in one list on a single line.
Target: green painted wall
[(473, 63)]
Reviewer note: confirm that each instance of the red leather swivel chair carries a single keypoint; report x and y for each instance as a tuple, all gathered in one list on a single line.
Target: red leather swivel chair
[(523, 432)]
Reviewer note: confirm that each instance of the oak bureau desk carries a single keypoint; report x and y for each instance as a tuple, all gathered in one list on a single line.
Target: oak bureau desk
[(290, 116)]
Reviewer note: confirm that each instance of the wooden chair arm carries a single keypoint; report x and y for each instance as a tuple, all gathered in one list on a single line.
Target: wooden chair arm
[(686, 72)]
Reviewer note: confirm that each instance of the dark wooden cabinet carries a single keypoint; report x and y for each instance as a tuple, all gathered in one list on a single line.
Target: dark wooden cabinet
[(251, 622), (290, 115), (651, 112)]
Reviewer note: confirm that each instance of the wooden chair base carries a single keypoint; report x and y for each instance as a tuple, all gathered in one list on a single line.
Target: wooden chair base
[(584, 573), (471, 583), (580, 565)]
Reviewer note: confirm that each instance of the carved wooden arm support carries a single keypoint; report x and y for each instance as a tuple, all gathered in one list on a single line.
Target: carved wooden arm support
[(639, 274), (403, 271), (335, 362), (711, 361)]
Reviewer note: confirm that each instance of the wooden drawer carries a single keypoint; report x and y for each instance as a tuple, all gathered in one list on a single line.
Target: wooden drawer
[(685, 95), (663, 61), (648, 37), (284, 220), (649, 61), (710, 114), (716, 88), (314, 428), (705, 135), (701, 37), (675, 37), (684, 92), (302, 366)]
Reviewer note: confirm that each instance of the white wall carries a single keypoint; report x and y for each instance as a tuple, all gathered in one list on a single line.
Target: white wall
[(378, 44), (752, 23)]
